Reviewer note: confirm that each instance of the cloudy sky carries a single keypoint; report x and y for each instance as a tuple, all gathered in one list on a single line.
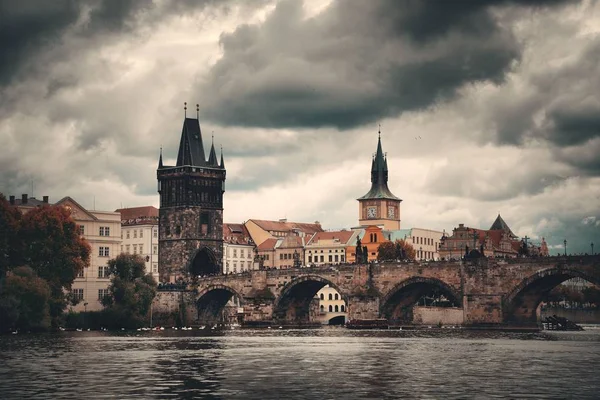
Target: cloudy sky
[(485, 107)]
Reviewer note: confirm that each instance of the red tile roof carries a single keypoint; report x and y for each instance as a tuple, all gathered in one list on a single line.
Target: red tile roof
[(236, 234), (280, 226), (342, 236), (268, 244), (137, 212)]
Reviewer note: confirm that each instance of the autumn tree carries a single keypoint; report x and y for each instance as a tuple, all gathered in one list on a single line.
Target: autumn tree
[(24, 303), (131, 291), (53, 248), (398, 250), (9, 237)]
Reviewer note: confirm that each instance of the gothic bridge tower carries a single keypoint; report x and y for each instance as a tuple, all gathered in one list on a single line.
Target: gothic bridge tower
[(379, 206), (190, 241)]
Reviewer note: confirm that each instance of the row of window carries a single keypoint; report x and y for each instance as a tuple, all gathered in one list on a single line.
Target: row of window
[(427, 255), (332, 258), (141, 233), (317, 251), (242, 253), (137, 249), (78, 294), (102, 231), (331, 296), (235, 269), (334, 308), (425, 241)]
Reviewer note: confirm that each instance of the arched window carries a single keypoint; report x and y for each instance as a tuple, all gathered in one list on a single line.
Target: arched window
[(342, 308), (337, 309), (330, 308), (322, 296), (330, 296), (336, 296), (322, 308)]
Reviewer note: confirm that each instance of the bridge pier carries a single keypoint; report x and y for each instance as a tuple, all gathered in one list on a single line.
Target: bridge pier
[(363, 307)]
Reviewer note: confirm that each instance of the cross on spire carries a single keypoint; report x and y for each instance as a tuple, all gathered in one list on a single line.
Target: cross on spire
[(185, 109), (197, 111)]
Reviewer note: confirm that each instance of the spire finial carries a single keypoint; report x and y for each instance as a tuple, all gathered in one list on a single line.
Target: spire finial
[(379, 131), (213, 137), (197, 111), (185, 109)]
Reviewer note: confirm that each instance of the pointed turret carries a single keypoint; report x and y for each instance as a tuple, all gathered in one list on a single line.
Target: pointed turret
[(160, 161), (379, 176), (212, 158), (191, 149), (222, 160), (500, 225)]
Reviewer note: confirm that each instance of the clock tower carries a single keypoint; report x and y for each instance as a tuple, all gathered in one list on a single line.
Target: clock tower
[(379, 206)]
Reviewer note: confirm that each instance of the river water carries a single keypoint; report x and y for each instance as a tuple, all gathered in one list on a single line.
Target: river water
[(323, 363)]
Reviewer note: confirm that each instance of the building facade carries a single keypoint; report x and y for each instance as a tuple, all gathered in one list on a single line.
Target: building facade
[(102, 230), (329, 247), (332, 307), (139, 234), (238, 249), (498, 241), (426, 242), (379, 206), (190, 234)]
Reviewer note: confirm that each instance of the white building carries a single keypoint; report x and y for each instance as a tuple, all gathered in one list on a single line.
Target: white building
[(102, 230), (238, 249), (329, 247), (332, 307), (139, 231), (426, 242)]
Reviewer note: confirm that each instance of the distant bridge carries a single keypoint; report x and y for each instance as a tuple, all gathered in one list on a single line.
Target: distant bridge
[(490, 292)]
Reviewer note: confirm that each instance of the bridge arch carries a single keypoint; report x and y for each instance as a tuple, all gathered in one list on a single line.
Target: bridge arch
[(520, 305), (211, 301), (397, 304), (293, 304)]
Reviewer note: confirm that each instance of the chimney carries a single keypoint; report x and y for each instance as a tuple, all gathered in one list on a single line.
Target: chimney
[(12, 200), (461, 225), (24, 198), (283, 220), (45, 199)]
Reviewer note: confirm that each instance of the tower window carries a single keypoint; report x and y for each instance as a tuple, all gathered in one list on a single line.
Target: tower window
[(204, 223)]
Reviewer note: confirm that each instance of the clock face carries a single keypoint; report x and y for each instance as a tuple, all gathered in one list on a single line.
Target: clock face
[(391, 212), (371, 212)]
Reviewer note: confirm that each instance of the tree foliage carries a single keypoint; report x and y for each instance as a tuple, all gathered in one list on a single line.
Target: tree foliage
[(130, 293), (398, 250), (45, 239), (24, 303)]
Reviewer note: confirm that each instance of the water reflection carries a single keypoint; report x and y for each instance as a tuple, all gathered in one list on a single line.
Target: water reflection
[(324, 363)]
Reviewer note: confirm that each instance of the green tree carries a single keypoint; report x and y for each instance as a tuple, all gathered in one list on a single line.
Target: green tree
[(53, 248), (398, 250), (24, 302), (386, 251), (9, 237), (130, 292)]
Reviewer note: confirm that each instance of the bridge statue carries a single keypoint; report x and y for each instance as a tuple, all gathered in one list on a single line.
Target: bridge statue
[(492, 292)]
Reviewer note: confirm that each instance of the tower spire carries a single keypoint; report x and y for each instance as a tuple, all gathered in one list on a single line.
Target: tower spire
[(212, 158), (222, 160), (160, 161)]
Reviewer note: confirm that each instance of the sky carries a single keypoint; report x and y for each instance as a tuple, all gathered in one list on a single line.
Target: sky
[(484, 106)]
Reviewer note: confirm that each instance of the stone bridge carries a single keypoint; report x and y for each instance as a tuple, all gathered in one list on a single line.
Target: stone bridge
[(490, 292)]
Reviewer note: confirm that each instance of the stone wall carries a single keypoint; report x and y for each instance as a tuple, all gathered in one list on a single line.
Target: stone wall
[(171, 308), (437, 315)]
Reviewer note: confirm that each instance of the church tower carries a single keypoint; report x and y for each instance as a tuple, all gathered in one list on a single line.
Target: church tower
[(379, 206), (190, 239)]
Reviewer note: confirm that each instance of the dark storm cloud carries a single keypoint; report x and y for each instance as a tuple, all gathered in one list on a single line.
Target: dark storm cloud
[(567, 97), (27, 25), (356, 62)]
